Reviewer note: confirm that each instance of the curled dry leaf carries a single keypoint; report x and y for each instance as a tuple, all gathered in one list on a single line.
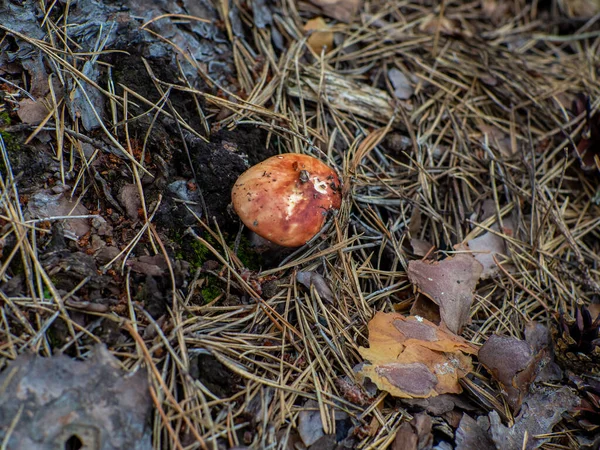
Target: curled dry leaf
[(308, 279), (342, 10), (450, 284), (319, 35), (513, 364), (411, 357)]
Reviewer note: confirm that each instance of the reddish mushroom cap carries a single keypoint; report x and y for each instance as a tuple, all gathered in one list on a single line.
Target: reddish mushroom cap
[(285, 198)]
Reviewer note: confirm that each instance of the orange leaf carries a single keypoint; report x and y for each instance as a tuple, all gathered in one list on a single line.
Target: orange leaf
[(411, 357), (320, 36)]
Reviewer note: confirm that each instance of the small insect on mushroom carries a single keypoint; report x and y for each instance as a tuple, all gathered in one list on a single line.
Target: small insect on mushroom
[(285, 199)]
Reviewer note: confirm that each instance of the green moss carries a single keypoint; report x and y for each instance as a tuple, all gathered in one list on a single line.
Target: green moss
[(4, 118), (249, 257), (211, 290), (196, 253)]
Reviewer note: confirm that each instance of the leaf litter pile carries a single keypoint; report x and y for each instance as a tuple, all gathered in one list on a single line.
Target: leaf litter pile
[(451, 302)]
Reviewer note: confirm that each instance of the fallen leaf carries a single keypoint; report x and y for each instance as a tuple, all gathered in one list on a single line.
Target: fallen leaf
[(539, 338), (342, 10), (46, 204), (59, 397), (406, 438), (402, 86), (129, 197), (450, 284), (310, 426), (441, 404), (433, 24), (472, 434), (31, 111), (494, 137), (588, 147), (414, 435), (148, 265), (410, 357), (308, 279), (580, 8), (421, 247), (539, 414), (491, 245), (497, 10), (513, 364), (319, 35)]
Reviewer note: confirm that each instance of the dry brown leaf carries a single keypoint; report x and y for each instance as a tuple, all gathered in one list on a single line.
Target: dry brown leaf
[(433, 24), (513, 364), (489, 246), (421, 247), (580, 8), (308, 279), (540, 413), (411, 357), (320, 35), (342, 10), (310, 425), (472, 434), (450, 284), (414, 435), (31, 111), (496, 138), (129, 197), (402, 86)]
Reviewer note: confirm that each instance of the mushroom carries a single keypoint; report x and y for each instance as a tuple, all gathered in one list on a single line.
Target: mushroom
[(285, 199)]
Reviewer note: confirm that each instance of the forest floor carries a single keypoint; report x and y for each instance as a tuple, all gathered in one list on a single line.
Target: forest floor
[(448, 304)]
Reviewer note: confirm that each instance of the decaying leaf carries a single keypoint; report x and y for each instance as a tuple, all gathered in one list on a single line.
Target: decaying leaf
[(513, 364), (434, 24), (58, 397), (473, 433), (450, 284), (414, 435), (402, 86), (319, 35), (421, 247), (129, 197), (31, 111), (580, 8), (48, 203), (540, 412), (310, 425), (491, 245), (494, 137), (343, 10), (411, 357), (308, 279), (587, 149)]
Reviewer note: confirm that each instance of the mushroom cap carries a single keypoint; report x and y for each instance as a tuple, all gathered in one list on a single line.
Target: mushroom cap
[(285, 198)]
